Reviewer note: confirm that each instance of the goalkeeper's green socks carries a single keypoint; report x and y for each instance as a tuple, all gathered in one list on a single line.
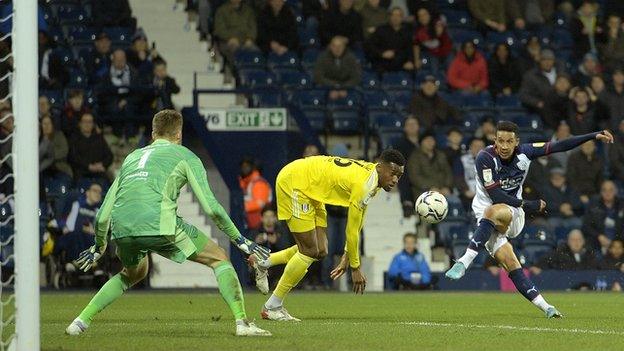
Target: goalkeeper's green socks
[(110, 292), (230, 289)]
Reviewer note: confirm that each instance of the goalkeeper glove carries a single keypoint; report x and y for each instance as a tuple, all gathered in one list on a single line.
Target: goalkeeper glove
[(88, 257), (249, 247)]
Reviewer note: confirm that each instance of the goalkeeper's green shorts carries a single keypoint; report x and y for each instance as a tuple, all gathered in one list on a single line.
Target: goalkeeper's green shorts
[(187, 242)]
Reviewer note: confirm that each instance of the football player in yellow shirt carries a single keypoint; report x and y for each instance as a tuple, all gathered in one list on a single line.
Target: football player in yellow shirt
[(303, 187)]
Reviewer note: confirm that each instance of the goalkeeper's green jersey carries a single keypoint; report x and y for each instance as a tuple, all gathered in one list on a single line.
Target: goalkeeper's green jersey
[(143, 198)]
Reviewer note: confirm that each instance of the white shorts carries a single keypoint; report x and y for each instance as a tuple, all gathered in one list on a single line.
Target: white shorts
[(497, 240)]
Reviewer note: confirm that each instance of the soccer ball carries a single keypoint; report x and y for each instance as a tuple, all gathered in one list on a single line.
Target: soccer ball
[(432, 207)]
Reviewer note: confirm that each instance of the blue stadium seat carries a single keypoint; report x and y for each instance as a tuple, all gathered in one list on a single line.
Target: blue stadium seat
[(255, 78), (385, 120), (77, 79), (453, 99), (351, 102), (397, 80), (346, 121), (266, 99), (376, 100), (317, 118), (503, 101), (55, 97), (459, 233), (249, 59), (314, 98), (308, 38), (71, 14), (292, 79), (494, 38), (389, 138), (402, 98), (533, 137), (477, 101), (287, 60), (458, 19), (119, 35), (472, 120), (534, 252), (309, 57), (536, 235), (370, 80), (561, 234), (459, 36), (526, 122), (66, 56), (361, 58), (81, 35), (57, 35), (562, 39)]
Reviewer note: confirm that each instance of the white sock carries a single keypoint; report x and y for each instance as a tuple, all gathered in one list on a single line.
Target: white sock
[(468, 257), (241, 322), (541, 303), (273, 302)]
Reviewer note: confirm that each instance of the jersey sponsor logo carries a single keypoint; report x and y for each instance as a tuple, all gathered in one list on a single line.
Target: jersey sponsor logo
[(511, 183), (141, 174), (488, 179), (538, 144)]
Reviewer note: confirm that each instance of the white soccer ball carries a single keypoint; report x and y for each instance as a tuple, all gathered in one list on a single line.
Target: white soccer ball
[(432, 207)]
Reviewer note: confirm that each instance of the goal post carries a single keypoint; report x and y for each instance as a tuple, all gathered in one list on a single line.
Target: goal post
[(26, 174)]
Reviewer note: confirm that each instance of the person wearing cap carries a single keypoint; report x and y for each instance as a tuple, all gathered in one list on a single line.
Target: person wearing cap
[(390, 47), (140, 56), (563, 204), (538, 82), (468, 71), (98, 62), (587, 69), (430, 108), (428, 168)]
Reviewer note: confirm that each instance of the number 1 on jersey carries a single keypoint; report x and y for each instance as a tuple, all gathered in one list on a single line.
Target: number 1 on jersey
[(144, 157)]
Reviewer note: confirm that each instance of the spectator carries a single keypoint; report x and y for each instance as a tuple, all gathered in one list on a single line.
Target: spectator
[(563, 204), (235, 27), (486, 130), (163, 87), (582, 117), (256, 190), (557, 103), (503, 72), (373, 16), (612, 50), (278, 32), (98, 63), (586, 28), (52, 73), (113, 13), (311, 150), (140, 56), (531, 13), (273, 235), (493, 15), (571, 256), (74, 108), (614, 259), (538, 83), (430, 108), (46, 153), (468, 71), (6, 66), (616, 154), (454, 148), (466, 178), (584, 171), (530, 55), (428, 169), (409, 269), (46, 109), (389, 48), (337, 68), (406, 146), (313, 9), (589, 68), (613, 98), (118, 93), (89, 155), (432, 38), (604, 218), (341, 21), (539, 171), (561, 133), (60, 148)]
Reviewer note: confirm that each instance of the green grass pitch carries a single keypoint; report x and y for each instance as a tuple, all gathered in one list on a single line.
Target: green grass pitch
[(331, 321)]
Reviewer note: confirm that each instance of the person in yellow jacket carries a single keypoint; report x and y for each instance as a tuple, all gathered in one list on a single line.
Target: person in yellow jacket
[(303, 187)]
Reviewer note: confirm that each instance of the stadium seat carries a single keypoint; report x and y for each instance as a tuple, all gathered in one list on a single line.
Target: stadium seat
[(309, 57), (308, 38), (317, 118), (55, 97), (562, 39), (526, 122), (77, 79), (459, 233), (351, 101), (81, 35), (267, 99), (458, 19), (249, 59), (57, 35), (292, 79), (370, 80), (119, 35), (477, 101), (287, 60), (459, 36), (71, 14), (66, 56), (472, 120), (376, 100), (310, 98), (534, 252), (402, 98), (345, 121), (397, 80), (254, 78), (536, 235), (389, 138), (492, 39), (504, 101), (386, 120)]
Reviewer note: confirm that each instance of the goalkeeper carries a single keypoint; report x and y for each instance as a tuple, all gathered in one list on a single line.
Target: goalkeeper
[(140, 211)]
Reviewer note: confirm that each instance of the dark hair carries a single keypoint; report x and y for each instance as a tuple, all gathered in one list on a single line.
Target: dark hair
[(507, 126), (392, 155), (74, 93), (410, 235), (269, 207), (453, 130)]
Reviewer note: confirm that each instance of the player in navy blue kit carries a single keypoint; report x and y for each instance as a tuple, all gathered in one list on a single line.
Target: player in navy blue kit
[(500, 209)]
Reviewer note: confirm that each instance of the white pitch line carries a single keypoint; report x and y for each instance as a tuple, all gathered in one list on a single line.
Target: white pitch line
[(504, 327)]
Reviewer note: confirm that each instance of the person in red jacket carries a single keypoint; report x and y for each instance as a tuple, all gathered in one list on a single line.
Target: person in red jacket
[(431, 37), (257, 192), (468, 71)]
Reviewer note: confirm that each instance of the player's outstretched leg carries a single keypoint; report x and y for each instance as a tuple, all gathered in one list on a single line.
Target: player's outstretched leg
[(495, 218), (110, 292), (214, 257), (507, 258), (261, 267)]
